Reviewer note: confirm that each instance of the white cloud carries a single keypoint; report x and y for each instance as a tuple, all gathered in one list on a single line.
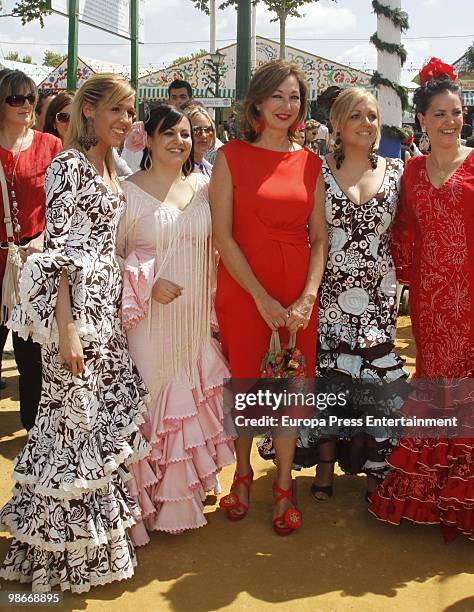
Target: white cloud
[(318, 20), (362, 56)]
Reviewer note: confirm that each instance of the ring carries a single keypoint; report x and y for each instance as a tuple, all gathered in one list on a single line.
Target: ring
[(300, 325)]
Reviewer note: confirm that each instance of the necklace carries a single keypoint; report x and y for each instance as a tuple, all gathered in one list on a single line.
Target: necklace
[(14, 204), (443, 173)]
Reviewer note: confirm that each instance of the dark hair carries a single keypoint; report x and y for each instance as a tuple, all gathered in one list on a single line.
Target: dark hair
[(179, 84), (55, 107), (263, 83), (14, 82), (42, 95), (163, 117), (424, 94)]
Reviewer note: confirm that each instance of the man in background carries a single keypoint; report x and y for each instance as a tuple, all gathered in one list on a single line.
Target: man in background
[(179, 92), (322, 138)]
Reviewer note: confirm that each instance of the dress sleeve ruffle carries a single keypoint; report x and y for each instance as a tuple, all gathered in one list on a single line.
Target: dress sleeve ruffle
[(35, 315), (39, 282), (138, 279)]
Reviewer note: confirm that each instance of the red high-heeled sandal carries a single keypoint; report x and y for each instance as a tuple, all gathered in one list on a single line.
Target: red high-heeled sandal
[(292, 518), (231, 502)]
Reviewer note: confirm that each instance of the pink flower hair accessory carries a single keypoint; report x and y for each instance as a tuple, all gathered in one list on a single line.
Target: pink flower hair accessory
[(136, 138), (434, 69)]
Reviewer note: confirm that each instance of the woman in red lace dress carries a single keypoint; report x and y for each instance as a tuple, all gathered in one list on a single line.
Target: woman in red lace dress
[(432, 480), (267, 200)]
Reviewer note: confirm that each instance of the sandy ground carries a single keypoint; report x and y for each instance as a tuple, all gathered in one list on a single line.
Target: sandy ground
[(342, 558)]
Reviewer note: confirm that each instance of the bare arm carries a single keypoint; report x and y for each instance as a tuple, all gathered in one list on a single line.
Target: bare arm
[(70, 347), (221, 192), (300, 311)]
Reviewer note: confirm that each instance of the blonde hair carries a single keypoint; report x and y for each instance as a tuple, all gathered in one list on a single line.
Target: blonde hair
[(103, 91), (311, 124), (346, 102), (264, 82), (193, 110), (14, 82)]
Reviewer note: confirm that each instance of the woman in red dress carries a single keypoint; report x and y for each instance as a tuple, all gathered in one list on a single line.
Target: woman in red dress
[(267, 200), (432, 480), (25, 155)]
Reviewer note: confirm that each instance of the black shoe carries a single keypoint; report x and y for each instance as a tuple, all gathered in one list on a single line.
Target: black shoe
[(327, 490)]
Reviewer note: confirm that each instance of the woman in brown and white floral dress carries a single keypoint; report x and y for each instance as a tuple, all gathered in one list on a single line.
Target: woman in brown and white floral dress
[(357, 296), (70, 508)]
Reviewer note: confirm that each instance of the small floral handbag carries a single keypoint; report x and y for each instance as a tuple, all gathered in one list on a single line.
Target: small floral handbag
[(288, 362)]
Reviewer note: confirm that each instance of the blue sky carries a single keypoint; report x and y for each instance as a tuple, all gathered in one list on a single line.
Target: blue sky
[(173, 28)]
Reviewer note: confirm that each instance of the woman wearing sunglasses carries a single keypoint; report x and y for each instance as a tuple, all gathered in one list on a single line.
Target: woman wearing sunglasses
[(58, 115), (204, 137), (25, 154)]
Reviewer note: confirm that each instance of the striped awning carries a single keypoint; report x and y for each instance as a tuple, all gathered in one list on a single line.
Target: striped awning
[(161, 93), (467, 98)]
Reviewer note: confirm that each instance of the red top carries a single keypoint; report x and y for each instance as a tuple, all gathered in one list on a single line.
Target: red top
[(273, 199), (29, 186), (434, 252)]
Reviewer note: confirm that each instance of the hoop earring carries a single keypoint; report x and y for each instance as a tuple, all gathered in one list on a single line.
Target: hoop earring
[(146, 112), (89, 139), (424, 143), (373, 157), (148, 163), (338, 152)]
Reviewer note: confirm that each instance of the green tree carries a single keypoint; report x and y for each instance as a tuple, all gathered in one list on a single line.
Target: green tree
[(14, 56), (470, 58), (281, 8), (29, 10), (187, 58), (53, 59)]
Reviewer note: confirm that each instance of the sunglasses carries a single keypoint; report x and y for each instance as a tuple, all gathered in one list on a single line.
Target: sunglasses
[(63, 117), (18, 100), (198, 130)]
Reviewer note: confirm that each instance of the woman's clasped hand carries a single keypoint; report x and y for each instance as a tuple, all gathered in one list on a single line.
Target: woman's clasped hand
[(294, 318)]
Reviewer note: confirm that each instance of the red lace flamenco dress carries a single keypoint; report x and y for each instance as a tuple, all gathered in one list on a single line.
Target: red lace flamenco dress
[(432, 480)]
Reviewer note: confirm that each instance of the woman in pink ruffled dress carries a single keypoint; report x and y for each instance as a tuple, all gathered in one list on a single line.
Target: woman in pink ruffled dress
[(164, 238)]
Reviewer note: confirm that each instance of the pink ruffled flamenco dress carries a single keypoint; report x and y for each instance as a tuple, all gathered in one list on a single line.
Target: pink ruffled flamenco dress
[(181, 364)]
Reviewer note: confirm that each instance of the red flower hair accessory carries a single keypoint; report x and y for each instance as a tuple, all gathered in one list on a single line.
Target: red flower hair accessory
[(434, 69)]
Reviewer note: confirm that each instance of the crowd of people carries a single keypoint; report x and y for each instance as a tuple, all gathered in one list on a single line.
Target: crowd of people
[(159, 258)]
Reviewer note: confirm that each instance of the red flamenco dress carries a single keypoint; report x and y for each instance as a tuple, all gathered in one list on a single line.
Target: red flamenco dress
[(432, 480), (273, 199)]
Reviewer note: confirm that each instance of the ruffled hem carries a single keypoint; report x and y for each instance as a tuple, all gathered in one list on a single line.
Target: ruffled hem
[(58, 525), (392, 510), (88, 463), (190, 445), (432, 482), (76, 571)]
